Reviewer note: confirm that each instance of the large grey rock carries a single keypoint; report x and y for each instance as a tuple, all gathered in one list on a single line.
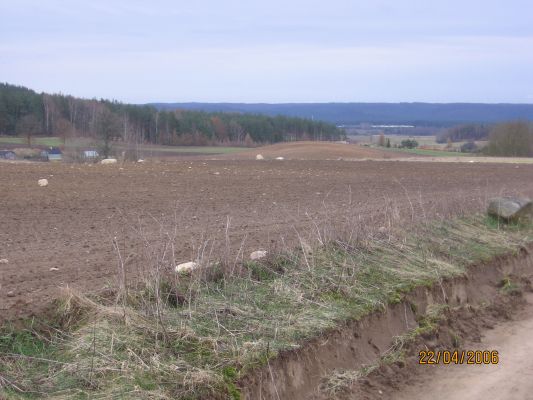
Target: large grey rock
[(510, 208)]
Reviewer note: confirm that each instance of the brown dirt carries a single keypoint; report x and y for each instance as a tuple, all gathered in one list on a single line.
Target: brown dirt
[(70, 224), (477, 304), (315, 151), (350, 152)]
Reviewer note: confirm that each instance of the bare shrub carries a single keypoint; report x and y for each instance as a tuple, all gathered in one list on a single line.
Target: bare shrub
[(511, 139)]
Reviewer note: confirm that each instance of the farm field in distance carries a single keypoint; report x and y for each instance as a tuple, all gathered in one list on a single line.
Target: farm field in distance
[(12, 141), (63, 234), (428, 145), (150, 150)]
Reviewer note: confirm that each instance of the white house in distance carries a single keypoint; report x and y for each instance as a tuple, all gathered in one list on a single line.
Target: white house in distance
[(90, 154)]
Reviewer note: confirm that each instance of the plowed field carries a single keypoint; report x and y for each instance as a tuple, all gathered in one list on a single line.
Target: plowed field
[(62, 234)]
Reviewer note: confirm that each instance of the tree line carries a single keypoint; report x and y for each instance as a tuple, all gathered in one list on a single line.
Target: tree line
[(25, 112), (507, 139), (468, 132)]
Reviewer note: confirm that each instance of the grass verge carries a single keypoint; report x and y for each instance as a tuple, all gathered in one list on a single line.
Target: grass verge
[(190, 337)]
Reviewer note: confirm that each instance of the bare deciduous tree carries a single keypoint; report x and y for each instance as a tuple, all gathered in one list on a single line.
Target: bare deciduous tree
[(108, 129), (513, 139), (28, 126)]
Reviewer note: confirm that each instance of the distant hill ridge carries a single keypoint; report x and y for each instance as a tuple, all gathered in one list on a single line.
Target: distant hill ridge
[(439, 114)]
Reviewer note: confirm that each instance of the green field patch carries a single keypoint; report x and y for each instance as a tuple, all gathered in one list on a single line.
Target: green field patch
[(35, 141)]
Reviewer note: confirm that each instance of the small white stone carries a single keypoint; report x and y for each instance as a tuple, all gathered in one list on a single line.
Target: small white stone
[(257, 255), (280, 158), (140, 160), (259, 157), (306, 248), (4, 261), (187, 267), (54, 269), (109, 161), (42, 182)]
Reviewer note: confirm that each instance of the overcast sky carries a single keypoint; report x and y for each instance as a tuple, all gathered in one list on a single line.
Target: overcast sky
[(271, 51)]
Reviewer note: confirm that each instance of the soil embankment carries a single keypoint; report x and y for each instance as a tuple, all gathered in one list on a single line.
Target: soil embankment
[(510, 379), (476, 303)]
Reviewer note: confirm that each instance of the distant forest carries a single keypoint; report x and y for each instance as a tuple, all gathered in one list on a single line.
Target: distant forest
[(28, 113), (418, 114)]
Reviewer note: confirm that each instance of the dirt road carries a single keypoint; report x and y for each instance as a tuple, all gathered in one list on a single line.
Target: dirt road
[(511, 379)]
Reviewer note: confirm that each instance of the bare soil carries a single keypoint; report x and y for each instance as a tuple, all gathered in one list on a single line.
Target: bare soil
[(62, 234), (352, 152), (316, 151)]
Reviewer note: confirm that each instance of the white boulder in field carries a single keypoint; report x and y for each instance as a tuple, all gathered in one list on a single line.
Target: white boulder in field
[(4, 261), (257, 255), (109, 161), (42, 182), (187, 267), (140, 160), (259, 157), (280, 158)]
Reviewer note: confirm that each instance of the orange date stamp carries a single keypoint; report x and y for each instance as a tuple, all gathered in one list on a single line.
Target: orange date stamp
[(467, 357)]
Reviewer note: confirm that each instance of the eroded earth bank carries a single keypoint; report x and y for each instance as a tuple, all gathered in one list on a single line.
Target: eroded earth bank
[(378, 357)]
